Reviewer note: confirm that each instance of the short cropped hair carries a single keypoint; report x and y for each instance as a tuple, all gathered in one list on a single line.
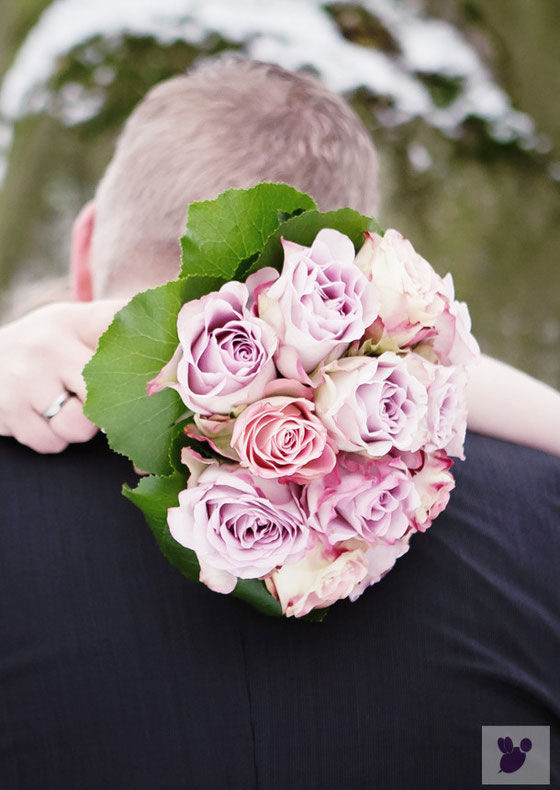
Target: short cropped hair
[(229, 123)]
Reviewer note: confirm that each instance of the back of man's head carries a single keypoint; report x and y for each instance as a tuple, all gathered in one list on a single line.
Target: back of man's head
[(229, 123)]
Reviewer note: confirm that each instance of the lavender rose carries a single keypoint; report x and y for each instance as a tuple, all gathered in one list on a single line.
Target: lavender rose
[(320, 303), (225, 353), (447, 410), (371, 405), (280, 437), (362, 498), (238, 526), (446, 416)]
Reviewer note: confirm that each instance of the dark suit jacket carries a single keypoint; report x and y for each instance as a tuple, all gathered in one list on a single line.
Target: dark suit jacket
[(116, 672)]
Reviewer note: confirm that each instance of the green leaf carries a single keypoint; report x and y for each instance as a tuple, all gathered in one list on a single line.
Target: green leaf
[(254, 592), (140, 341), (303, 229), (223, 233), (177, 441), (154, 496)]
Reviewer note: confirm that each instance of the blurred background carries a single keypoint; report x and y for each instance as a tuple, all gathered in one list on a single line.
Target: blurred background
[(460, 97)]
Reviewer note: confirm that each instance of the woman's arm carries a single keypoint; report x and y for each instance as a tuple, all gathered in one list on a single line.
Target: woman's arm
[(508, 404)]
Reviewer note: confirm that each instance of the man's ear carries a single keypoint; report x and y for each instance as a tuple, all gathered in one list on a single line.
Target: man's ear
[(80, 254)]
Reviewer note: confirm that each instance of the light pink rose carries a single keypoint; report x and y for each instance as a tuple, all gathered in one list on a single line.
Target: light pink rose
[(225, 353), (280, 437), (372, 404), (216, 430), (325, 574), (237, 525), (320, 303), (434, 483), (380, 560), (413, 295), (454, 344), (362, 498)]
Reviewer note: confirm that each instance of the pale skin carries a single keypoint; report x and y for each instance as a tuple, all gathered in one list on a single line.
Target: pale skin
[(43, 354)]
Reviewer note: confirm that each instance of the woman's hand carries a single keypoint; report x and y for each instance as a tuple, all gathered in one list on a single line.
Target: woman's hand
[(42, 356)]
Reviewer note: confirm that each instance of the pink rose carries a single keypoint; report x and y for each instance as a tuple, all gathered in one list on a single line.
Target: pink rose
[(413, 295), (325, 574), (372, 404), (362, 498), (225, 353), (320, 303), (280, 437), (380, 559), (238, 526), (433, 482)]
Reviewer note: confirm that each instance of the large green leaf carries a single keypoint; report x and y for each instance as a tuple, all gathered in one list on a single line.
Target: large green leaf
[(303, 229), (234, 227), (139, 342), (154, 496)]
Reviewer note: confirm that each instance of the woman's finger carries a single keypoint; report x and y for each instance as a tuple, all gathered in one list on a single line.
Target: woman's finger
[(71, 425), (34, 431)]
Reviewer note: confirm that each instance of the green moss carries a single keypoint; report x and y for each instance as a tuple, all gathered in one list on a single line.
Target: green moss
[(361, 27), (443, 89)]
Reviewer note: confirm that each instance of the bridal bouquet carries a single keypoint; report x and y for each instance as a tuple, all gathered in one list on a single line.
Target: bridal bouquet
[(295, 397)]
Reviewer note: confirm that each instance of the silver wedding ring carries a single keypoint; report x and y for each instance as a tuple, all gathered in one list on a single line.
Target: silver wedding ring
[(56, 405)]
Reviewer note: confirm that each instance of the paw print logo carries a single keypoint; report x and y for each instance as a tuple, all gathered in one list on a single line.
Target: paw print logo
[(513, 757)]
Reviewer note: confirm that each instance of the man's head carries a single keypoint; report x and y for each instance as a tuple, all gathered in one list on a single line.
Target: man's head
[(230, 123)]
